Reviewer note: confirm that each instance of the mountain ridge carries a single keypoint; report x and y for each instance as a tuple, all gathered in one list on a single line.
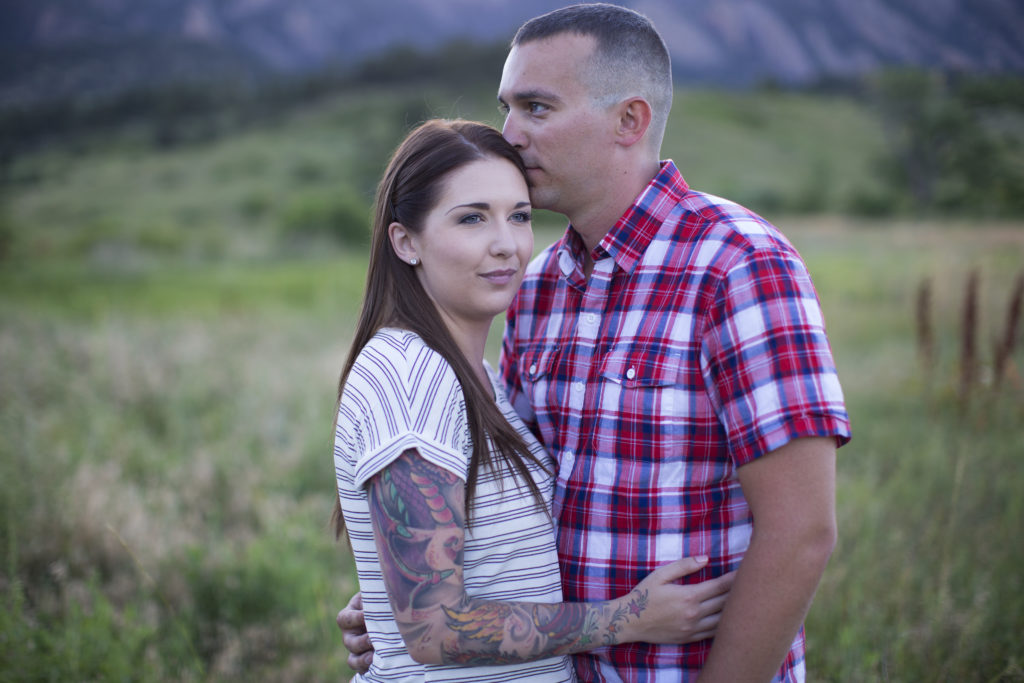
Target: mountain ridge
[(61, 48)]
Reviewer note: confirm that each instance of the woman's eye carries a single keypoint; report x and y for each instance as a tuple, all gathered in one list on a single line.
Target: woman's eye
[(471, 218), (522, 217)]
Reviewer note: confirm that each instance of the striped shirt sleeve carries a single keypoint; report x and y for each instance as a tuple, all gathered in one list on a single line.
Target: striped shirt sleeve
[(401, 394)]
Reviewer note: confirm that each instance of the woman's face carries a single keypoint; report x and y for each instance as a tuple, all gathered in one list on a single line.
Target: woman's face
[(475, 243)]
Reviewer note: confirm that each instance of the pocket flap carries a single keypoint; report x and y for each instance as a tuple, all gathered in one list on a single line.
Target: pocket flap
[(538, 363), (640, 367)]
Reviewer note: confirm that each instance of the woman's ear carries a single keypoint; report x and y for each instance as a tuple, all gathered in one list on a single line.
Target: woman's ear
[(634, 120), (402, 243)]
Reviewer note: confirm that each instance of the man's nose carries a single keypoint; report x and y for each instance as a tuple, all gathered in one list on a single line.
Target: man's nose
[(511, 132)]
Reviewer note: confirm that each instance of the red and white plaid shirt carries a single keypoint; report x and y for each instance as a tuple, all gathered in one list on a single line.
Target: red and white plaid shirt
[(697, 345)]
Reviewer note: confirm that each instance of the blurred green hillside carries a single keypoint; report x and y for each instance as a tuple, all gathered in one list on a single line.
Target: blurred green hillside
[(231, 173), (307, 178)]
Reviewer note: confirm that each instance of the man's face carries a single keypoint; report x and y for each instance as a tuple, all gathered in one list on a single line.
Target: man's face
[(565, 140)]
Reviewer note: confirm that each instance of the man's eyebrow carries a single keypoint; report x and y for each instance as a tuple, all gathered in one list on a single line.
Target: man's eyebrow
[(527, 95)]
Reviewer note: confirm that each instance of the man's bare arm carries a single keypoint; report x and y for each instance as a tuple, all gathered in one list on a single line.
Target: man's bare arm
[(791, 492)]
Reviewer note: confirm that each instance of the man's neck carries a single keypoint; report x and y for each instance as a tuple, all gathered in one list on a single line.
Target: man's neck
[(595, 221)]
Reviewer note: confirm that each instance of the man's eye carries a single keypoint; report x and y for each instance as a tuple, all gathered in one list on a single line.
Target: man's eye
[(504, 109), (537, 108)]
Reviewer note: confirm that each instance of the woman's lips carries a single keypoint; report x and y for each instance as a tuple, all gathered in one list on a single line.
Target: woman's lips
[(500, 277)]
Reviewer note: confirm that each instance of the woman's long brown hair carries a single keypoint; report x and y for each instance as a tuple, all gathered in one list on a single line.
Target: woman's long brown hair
[(394, 297)]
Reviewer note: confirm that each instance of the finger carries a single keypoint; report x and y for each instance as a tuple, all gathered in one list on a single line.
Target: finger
[(714, 605), (708, 623), (718, 586), (680, 568), (357, 644), (705, 628), (351, 616), (360, 663), (351, 620), (726, 579), (703, 635)]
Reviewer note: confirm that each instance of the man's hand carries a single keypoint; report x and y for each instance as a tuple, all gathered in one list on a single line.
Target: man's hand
[(357, 641)]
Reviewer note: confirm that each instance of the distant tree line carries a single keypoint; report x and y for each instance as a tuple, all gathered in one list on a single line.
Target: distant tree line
[(184, 112), (955, 142)]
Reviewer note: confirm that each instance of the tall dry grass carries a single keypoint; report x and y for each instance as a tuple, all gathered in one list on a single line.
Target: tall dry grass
[(173, 474)]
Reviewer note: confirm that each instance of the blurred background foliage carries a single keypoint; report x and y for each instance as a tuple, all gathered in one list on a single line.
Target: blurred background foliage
[(245, 169), (181, 268)]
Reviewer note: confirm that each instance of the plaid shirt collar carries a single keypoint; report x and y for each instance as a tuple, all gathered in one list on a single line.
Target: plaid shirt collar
[(633, 232)]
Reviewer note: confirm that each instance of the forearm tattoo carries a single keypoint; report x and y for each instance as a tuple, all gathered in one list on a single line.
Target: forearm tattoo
[(418, 516), (507, 632)]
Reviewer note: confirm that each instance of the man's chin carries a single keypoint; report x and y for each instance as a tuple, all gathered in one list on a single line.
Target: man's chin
[(542, 198)]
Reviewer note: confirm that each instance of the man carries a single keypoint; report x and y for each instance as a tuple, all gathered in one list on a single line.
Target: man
[(670, 350)]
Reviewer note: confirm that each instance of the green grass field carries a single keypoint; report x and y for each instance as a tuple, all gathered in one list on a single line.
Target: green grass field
[(172, 324)]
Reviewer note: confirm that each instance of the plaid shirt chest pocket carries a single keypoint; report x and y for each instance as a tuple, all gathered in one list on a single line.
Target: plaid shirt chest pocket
[(640, 393), (537, 372)]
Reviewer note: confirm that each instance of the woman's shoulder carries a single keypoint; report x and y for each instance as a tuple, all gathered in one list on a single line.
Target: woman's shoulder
[(398, 351), (396, 344), (395, 339)]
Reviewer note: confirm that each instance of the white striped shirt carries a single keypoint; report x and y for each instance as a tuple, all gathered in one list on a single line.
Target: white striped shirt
[(401, 394)]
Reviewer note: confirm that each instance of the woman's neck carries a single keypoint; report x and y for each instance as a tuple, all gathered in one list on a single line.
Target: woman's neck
[(472, 343)]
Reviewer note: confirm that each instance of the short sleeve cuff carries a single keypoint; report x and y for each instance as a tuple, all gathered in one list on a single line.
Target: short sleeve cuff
[(798, 427), (438, 454)]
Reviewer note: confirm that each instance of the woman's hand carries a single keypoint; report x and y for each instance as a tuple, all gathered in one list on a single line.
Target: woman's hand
[(671, 613)]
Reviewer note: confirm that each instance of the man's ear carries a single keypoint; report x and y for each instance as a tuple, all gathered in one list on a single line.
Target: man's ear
[(633, 121), (402, 242)]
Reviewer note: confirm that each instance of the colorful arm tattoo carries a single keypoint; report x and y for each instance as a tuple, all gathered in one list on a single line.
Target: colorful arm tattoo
[(418, 516), (416, 511)]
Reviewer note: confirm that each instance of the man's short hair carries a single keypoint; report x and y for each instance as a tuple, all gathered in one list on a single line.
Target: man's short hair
[(630, 56)]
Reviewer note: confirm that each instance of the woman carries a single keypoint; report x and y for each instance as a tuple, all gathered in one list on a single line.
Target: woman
[(443, 491)]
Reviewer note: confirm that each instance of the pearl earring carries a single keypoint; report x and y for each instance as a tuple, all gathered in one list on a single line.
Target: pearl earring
[(413, 261)]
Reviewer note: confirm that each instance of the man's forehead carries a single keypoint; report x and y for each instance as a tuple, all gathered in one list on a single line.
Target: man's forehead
[(558, 48), (536, 69)]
